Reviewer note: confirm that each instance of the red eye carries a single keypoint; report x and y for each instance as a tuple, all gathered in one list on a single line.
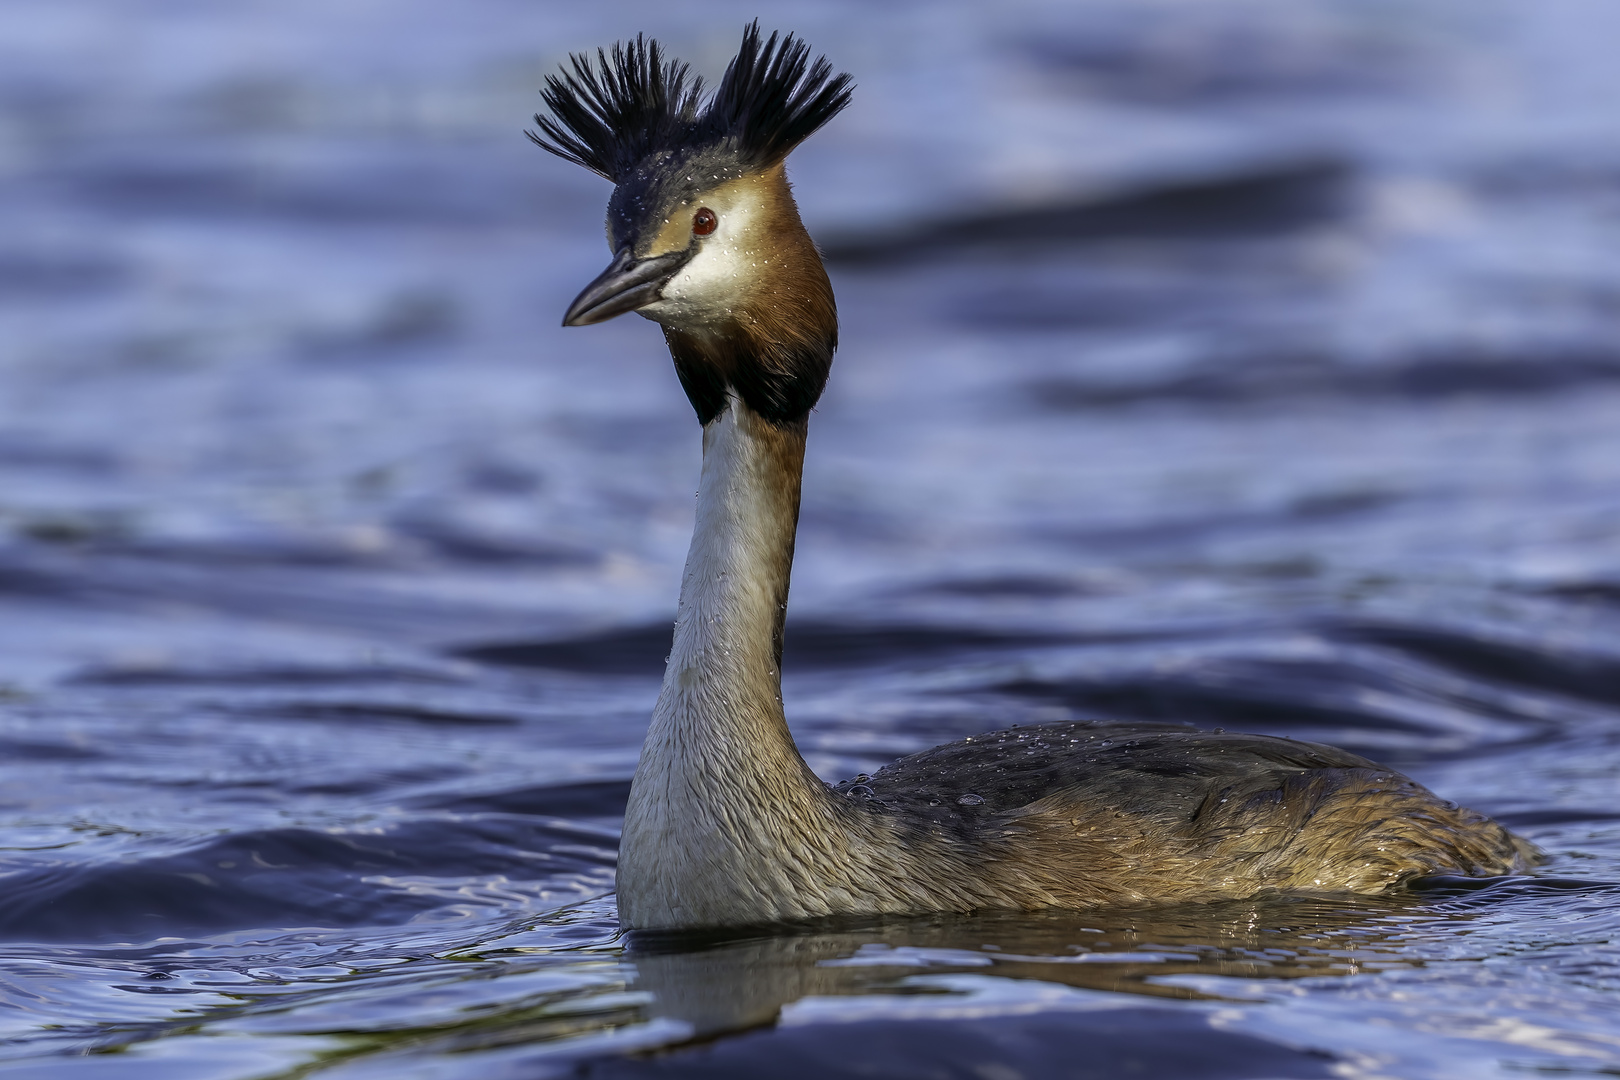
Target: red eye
[(704, 222)]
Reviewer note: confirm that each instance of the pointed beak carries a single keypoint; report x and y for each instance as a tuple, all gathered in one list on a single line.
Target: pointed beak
[(627, 284)]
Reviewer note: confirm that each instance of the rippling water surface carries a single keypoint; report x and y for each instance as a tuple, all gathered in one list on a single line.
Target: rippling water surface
[(1251, 364)]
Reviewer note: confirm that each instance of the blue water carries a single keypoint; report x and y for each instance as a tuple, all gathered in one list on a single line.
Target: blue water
[(1246, 363)]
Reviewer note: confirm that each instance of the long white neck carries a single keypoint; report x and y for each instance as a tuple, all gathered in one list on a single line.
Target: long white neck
[(724, 668), (720, 786), (727, 826)]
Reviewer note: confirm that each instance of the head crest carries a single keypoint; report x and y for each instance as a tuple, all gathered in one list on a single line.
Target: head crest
[(612, 116)]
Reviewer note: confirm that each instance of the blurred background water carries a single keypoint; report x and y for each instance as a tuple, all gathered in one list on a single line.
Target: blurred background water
[(1246, 363)]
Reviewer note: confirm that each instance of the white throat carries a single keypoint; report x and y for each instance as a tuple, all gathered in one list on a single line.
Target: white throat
[(734, 587)]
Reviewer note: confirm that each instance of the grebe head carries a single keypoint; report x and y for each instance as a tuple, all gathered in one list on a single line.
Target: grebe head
[(706, 237)]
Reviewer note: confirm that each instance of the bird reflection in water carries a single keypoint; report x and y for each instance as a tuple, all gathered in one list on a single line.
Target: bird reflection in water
[(719, 983)]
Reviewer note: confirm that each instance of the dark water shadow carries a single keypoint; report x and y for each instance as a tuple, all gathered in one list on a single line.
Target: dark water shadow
[(1102, 1045), (586, 799), (1544, 666), (288, 877), (365, 712), (1263, 199), (267, 675), (1417, 376), (33, 275), (1601, 591), (808, 645), (1461, 893), (368, 183), (1358, 706)]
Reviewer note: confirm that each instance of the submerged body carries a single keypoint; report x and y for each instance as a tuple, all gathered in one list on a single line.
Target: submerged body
[(726, 824)]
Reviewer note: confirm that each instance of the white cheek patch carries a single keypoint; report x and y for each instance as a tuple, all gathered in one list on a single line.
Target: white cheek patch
[(717, 277)]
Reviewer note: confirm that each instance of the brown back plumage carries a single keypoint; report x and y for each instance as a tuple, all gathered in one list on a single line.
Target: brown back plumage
[(1082, 814)]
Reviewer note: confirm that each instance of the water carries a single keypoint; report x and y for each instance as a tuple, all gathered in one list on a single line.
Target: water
[(1251, 364)]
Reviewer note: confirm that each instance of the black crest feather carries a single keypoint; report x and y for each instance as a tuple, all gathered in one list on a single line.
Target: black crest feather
[(613, 115)]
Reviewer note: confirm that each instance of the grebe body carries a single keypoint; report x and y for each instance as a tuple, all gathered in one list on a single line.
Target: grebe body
[(726, 824)]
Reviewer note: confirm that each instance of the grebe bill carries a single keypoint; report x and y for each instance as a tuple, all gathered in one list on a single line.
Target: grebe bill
[(726, 824)]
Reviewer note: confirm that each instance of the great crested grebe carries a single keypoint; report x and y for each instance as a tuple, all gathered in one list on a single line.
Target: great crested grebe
[(726, 823)]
